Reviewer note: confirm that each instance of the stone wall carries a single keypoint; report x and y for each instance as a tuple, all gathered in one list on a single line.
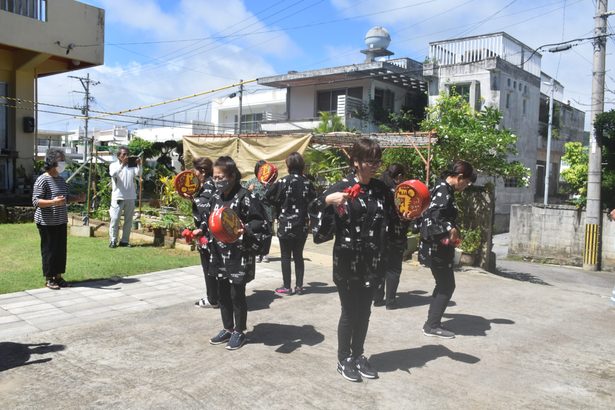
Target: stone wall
[(16, 214), (556, 234)]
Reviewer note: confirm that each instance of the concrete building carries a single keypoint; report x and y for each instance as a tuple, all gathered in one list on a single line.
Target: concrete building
[(162, 134), (38, 38), (257, 107), (361, 94), (499, 71)]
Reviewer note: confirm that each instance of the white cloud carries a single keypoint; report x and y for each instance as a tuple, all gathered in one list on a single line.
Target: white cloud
[(169, 70)]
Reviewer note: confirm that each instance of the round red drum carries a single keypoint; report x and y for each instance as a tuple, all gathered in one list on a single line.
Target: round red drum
[(412, 196), (186, 183), (225, 225), (267, 173)]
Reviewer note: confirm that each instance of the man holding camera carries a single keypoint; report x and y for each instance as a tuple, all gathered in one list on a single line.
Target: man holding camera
[(124, 173)]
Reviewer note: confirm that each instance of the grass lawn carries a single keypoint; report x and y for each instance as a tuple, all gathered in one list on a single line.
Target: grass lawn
[(87, 258)]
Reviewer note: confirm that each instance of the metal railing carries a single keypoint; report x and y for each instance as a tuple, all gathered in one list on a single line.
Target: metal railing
[(36, 9)]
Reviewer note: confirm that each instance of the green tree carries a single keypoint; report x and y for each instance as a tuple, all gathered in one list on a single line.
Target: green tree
[(138, 145), (329, 122), (475, 136), (577, 158)]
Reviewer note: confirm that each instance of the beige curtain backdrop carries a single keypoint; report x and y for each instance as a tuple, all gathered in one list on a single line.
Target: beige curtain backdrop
[(246, 150)]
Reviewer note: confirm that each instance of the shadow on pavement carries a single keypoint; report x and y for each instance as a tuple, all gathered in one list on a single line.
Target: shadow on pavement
[(416, 298), (18, 354), (105, 284), (520, 276), (319, 287), (288, 337), (471, 325), (261, 299), (407, 359)]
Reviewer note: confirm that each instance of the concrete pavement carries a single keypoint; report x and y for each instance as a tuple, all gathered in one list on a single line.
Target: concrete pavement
[(139, 342)]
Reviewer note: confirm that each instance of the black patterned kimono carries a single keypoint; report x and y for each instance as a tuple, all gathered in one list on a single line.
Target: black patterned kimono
[(361, 235), (291, 196), (236, 261), (437, 221)]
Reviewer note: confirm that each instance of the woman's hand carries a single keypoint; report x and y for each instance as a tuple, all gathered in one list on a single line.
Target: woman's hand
[(59, 200), (453, 234), (197, 232), (336, 198)]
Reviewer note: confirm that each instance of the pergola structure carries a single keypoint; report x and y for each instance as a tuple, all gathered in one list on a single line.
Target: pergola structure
[(416, 140)]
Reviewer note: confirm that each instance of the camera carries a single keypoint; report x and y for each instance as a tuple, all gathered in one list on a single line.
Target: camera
[(132, 161)]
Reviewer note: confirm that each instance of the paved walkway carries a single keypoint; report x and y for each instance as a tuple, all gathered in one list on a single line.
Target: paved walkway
[(139, 343)]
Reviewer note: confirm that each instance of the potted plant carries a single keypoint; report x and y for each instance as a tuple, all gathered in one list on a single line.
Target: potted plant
[(471, 241)]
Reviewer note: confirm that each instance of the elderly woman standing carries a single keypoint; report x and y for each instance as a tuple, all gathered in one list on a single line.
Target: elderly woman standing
[(49, 197)]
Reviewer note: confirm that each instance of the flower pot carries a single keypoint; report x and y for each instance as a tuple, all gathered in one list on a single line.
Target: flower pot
[(467, 259)]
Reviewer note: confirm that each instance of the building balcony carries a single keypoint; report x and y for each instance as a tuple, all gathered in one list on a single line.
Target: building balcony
[(49, 36)]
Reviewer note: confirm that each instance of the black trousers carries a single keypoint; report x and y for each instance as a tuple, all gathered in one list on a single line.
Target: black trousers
[(211, 283), (292, 248), (356, 301), (53, 249), (266, 247), (394, 260), (233, 305), (442, 271)]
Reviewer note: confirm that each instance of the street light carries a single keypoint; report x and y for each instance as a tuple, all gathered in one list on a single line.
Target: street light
[(549, 133)]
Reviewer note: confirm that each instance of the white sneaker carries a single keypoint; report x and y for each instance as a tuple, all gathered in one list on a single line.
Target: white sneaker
[(204, 303), (265, 259)]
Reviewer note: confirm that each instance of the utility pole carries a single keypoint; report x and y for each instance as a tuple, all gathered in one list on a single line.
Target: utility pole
[(85, 110), (549, 133), (240, 105), (593, 214)]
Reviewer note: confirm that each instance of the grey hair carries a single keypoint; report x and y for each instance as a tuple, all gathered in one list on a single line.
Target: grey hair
[(52, 157)]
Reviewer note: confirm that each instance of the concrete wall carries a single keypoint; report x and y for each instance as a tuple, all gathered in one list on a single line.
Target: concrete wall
[(68, 22), (556, 233)]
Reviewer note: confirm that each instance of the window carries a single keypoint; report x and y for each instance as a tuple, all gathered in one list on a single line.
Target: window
[(507, 100), (384, 99), (327, 100), (509, 82), (462, 90), (250, 123), (524, 105), (511, 182)]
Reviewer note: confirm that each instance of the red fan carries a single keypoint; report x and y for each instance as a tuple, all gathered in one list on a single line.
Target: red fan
[(412, 196), (186, 183), (225, 225), (267, 173)]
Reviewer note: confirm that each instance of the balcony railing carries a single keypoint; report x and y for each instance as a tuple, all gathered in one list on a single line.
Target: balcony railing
[(36, 9)]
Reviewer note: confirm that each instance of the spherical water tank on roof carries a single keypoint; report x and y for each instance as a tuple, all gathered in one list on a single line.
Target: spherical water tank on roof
[(377, 37)]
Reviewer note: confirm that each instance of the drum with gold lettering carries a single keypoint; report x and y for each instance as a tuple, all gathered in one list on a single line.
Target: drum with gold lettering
[(225, 225), (186, 183), (412, 196), (267, 173)]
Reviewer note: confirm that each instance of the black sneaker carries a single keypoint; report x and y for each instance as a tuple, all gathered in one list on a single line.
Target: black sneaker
[(112, 245), (378, 303), (52, 284), (365, 368), (221, 337), (237, 340), (438, 332), (125, 245), (348, 369)]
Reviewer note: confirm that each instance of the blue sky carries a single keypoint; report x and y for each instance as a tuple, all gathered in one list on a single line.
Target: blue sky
[(156, 50)]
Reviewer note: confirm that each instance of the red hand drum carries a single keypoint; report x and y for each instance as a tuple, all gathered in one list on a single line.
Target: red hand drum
[(267, 173), (186, 183), (225, 225), (412, 196)]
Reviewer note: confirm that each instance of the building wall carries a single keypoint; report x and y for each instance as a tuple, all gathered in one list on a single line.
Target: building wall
[(68, 22), (499, 81), (556, 233), (31, 48)]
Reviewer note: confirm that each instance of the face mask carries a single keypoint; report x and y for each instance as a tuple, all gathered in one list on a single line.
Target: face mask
[(61, 166), (221, 185)]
